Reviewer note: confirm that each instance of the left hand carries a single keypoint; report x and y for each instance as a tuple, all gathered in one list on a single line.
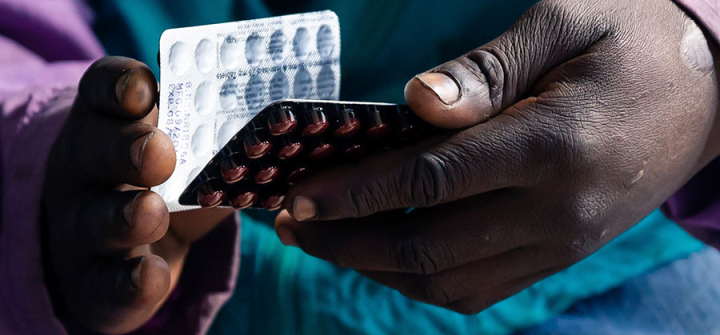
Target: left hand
[(601, 109)]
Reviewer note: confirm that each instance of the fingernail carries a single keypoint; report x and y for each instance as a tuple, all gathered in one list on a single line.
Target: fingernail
[(136, 272), (138, 147), (122, 83), (442, 85), (287, 237), (303, 208), (129, 208)]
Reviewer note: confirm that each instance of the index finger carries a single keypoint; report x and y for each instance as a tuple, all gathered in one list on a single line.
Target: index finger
[(486, 157), (424, 241)]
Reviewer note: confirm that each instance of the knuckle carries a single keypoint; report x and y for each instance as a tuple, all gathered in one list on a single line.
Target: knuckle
[(561, 146), (490, 66), (365, 198), (415, 255), (427, 180)]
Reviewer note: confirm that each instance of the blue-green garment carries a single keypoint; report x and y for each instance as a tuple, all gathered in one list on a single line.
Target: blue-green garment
[(283, 291)]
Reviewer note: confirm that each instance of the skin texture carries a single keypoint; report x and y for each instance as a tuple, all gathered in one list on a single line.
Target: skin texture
[(572, 126), (114, 252)]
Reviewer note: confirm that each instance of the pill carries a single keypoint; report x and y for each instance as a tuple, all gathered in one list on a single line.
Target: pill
[(274, 202), (267, 174), (228, 94), (322, 149), (281, 120), (277, 47), (279, 86), (346, 123), (244, 200), (315, 121), (325, 41), (254, 49), (179, 58), (301, 44), (290, 149), (228, 129), (256, 142), (302, 84), (202, 141), (297, 174), (255, 92), (204, 98), (231, 171), (325, 82), (377, 126), (208, 196), (230, 52), (205, 56)]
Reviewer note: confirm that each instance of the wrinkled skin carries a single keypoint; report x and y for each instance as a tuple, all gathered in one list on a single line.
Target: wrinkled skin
[(573, 126), (114, 251)]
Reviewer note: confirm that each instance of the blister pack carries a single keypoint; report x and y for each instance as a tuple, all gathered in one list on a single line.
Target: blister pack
[(290, 139), (214, 79)]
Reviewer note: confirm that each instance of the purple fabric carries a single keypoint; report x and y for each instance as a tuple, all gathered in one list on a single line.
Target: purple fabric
[(707, 12), (45, 46), (696, 206)]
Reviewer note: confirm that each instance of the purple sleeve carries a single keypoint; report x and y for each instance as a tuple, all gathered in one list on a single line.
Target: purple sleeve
[(696, 206), (45, 46)]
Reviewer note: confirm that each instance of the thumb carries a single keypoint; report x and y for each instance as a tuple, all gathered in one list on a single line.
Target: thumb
[(483, 82)]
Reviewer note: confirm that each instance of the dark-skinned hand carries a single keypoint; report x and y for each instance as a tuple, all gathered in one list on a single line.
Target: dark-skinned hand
[(114, 251), (572, 126)]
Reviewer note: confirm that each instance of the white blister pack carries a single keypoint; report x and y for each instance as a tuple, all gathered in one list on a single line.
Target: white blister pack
[(215, 78)]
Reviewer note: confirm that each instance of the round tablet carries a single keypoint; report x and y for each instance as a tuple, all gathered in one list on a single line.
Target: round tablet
[(254, 92), (205, 56), (278, 47), (254, 49), (325, 41), (228, 94), (230, 52), (204, 98), (226, 132), (279, 86), (179, 58), (302, 84), (325, 82), (301, 44), (202, 141)]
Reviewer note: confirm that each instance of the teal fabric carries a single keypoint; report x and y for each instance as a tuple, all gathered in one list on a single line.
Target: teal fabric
[(281, 290), (384, 43)]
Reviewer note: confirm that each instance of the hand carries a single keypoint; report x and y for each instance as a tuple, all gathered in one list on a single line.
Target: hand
[(114, 250), (597, 111)]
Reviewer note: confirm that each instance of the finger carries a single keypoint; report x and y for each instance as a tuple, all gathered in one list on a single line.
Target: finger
[(118, 221), (120, 87), (464, 281), (107, 151), (424, 241), (483, 158), (114, 292), (480, 84)]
